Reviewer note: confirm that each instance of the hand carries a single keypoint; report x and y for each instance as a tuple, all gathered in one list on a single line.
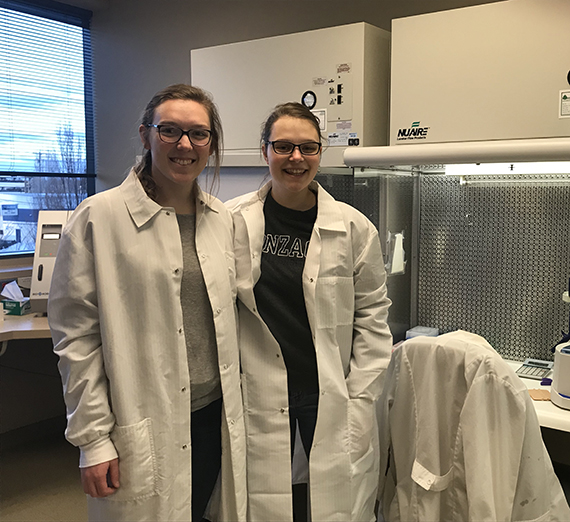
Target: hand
[(102, 479)]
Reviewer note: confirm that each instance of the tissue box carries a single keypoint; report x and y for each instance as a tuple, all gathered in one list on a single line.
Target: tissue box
[(422, 330), (17, 307)]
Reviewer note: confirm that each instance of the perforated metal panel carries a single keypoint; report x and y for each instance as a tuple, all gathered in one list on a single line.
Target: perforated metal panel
[(494, 259), (338, 182)]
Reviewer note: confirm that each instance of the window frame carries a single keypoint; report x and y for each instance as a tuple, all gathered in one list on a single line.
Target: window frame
[(78, 17)]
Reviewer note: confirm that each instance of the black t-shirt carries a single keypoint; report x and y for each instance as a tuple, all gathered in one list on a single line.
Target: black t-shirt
[(279, 291)]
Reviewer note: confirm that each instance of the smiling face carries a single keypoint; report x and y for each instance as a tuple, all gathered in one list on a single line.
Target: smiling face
[(292, 173), (175, 166)]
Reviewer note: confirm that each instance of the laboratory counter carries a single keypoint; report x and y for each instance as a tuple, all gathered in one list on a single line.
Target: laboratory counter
[(549, 415), (29, 326)]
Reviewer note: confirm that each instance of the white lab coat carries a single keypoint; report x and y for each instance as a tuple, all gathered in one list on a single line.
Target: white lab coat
[(116, 321), (460, 440), (347, 306)]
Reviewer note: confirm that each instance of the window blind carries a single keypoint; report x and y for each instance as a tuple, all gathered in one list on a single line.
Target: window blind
[(46, 116), (45, 89)]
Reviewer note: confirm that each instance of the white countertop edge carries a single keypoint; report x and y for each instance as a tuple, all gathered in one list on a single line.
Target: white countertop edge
[(549, 414)]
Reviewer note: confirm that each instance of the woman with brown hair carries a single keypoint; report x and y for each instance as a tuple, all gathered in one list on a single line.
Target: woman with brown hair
[(314, 338), (142, 313)]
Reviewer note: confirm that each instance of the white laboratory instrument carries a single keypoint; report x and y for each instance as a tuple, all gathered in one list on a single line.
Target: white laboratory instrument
[(341, 73), (50, 228), (497, 71), (560, 389)]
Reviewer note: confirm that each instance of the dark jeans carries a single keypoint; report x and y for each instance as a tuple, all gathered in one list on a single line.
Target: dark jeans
[(206, 428), (303, 409)]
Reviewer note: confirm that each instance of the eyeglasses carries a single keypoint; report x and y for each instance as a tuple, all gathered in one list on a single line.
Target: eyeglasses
[(172, 134), (309, 148)]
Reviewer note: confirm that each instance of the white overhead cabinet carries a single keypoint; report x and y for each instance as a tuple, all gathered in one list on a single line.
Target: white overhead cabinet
[(342, 73), (489, 72)]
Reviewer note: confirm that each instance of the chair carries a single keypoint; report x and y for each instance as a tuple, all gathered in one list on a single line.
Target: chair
[(459, 438)]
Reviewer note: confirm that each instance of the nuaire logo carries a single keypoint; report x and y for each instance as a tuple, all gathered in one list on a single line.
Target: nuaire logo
[(415, 132)]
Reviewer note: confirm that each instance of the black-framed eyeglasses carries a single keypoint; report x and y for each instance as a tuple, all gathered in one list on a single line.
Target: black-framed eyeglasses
[(309, 148), (173, 134)]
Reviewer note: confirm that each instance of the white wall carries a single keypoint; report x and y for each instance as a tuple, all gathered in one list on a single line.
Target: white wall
[(235, 181)]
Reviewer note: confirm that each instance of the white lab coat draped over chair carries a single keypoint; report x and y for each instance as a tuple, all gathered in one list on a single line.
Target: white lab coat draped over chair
[(459, 438), (347, 307)]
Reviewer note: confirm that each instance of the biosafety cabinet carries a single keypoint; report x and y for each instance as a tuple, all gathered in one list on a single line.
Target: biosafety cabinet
[(498, 71), (476, 180), (341, 73)]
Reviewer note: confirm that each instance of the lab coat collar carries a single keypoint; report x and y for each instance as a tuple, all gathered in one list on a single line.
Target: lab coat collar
[(205, 199), (142, 209), (329, 216)]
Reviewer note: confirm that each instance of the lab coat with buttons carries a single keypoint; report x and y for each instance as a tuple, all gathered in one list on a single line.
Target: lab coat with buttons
[(459, 438), (116, 322), (347, 306)]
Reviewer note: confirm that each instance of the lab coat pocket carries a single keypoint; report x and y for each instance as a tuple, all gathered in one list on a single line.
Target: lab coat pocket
[(334, 301), (362, 431), (137, 461)]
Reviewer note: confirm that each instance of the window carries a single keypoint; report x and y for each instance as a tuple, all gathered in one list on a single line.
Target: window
[(46, 129)]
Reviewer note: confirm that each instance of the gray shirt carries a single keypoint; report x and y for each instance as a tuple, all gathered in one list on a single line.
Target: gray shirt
[(199, 329)]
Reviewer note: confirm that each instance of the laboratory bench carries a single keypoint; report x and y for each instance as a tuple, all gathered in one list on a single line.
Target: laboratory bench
[(28, 326), (549, 415), (31, 402)]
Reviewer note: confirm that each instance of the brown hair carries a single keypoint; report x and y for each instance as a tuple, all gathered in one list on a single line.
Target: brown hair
[(293, 110), (182, 91)]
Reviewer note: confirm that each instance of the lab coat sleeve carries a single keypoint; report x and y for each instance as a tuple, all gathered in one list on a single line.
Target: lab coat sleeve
[(74, 323), (372, 340), (493, 440)]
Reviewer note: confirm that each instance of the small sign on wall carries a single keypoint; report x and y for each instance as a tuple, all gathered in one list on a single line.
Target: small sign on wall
[(321, 114), (9, 210)]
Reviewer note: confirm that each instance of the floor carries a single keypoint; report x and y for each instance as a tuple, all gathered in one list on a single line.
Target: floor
[(40, 482)]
